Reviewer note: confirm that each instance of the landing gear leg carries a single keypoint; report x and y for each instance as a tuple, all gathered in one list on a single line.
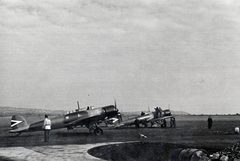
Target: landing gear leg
[(91, 127), (94, 129)]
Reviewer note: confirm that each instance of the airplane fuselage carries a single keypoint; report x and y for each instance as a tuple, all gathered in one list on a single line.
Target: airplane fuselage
[(70, 120)]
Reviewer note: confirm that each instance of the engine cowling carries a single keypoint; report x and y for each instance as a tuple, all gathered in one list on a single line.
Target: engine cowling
[(110, 111)]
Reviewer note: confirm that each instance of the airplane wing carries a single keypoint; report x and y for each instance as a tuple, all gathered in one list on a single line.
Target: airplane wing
[(20, 129), (147, 117), (125, 123), (75, 122)]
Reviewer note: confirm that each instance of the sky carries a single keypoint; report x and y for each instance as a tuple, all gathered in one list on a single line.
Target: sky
[(144, 53)]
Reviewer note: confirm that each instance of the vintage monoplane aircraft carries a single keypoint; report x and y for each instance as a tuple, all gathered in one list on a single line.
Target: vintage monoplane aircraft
[(146, 119), (90, 117)]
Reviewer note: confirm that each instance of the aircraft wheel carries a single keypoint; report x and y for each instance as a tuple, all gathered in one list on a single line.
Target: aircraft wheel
[(98, 131)]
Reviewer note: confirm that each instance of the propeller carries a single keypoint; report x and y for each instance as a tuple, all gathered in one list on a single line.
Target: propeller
[(115, 103), (78, 106), (119, 115)]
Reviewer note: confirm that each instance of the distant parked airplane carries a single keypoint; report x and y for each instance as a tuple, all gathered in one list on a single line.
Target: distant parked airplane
[(152, 118)]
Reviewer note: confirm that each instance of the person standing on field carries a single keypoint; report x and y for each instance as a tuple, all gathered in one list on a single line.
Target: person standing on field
[(172, 122), (47, 128), (137, 122), (210, 121)]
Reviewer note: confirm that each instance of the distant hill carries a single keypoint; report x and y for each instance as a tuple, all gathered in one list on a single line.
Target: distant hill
[(9, 111), (137, 113), (180, 113)]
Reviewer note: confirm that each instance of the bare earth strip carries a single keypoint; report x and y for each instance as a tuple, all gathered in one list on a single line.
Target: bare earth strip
[(55, 153)]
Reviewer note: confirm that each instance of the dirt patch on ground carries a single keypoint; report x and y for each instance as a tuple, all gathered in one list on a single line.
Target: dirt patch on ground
[(141, 151)]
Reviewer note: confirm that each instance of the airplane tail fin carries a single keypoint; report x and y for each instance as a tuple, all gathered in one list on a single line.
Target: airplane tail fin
[(18, 122)]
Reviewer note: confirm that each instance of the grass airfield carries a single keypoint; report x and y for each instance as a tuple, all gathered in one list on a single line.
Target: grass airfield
[(190, 132)]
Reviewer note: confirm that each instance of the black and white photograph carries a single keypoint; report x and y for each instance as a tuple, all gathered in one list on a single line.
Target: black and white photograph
[(120, 80)]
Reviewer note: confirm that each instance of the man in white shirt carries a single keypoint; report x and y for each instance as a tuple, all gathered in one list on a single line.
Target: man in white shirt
[(47, 128)]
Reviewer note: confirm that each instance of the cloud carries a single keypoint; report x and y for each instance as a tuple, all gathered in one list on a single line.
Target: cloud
[(145, 16)]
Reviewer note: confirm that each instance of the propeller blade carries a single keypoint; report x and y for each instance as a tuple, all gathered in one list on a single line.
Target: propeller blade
[(78, 105), (115, 103)]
